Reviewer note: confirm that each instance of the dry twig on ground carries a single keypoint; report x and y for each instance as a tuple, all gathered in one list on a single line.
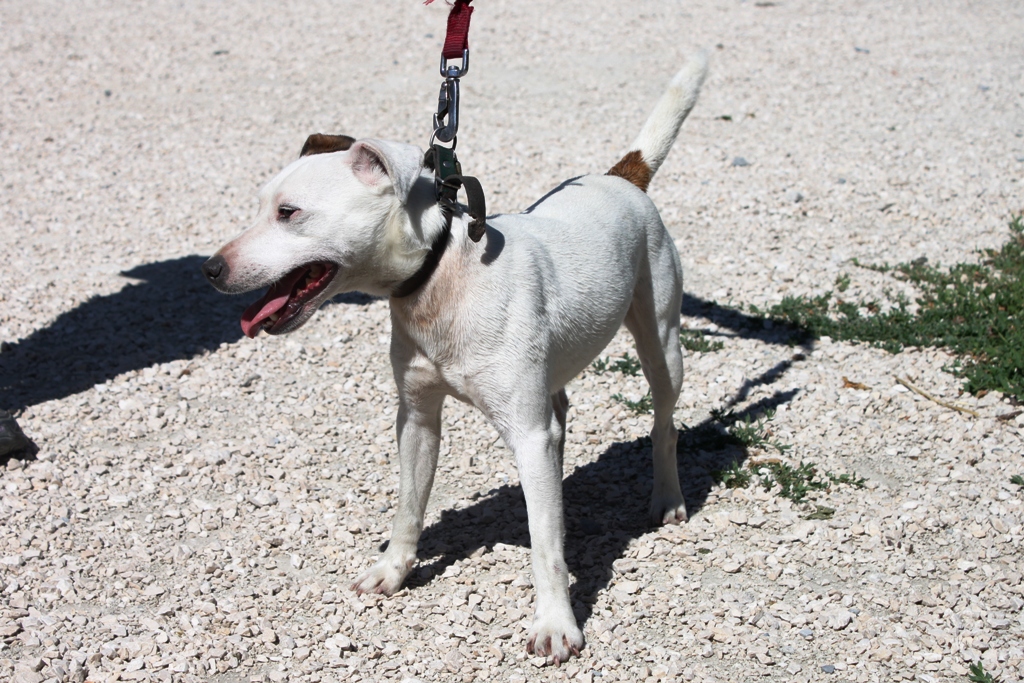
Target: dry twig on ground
[(931, 398)]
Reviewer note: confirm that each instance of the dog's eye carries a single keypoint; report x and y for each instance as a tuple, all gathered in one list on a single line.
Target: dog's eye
[(285, 211)]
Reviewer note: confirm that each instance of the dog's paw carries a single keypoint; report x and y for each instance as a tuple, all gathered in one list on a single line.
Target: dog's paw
[(665, 512), (556, 639), (385, 577)]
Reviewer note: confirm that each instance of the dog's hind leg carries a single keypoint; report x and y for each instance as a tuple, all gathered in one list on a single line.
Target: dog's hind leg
[(653, 320)]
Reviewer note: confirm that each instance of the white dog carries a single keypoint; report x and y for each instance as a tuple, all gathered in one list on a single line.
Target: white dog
[(502, 324)]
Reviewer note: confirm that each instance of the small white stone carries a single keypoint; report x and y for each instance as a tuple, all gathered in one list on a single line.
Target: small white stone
[(840, 620), (263, 499), (738, 517)]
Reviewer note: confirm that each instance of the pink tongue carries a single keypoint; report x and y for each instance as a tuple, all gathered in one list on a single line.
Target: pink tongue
[(272, 302)]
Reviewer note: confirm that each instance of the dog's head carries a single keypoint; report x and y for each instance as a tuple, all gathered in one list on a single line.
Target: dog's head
[(345, 216)]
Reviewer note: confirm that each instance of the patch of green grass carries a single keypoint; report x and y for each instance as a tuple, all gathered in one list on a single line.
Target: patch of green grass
[(642, 407), (735, 477), (842, 282), (848, 479), (821, 512), (749, 432), (1018, 480), (726, 428), (975, 310), (755, 434), (843, 320), (627, 365), (695, 341), (884, 268), (979, 675), (796, 483)]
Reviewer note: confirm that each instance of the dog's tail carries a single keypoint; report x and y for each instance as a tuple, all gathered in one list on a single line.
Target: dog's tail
[(655, 140)]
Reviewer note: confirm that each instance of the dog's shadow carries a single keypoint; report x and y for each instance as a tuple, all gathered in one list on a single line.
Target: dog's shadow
[(166, 311), (605, 501)]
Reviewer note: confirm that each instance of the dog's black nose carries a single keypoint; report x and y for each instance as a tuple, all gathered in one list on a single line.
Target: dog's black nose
[(215, 268)]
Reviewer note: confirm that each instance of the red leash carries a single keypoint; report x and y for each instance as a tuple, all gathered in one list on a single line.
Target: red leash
[(457, 40)]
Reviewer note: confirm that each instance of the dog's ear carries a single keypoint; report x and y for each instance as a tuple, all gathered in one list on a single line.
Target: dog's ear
[(377, 162), (318, 143)]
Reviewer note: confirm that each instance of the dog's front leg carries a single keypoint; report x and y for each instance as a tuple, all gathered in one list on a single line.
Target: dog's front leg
[(536, 446), (419, 438)]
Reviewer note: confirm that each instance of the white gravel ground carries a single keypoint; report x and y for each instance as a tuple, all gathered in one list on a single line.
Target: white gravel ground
[(200, 501)]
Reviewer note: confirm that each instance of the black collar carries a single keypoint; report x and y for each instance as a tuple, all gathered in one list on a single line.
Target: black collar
[(437, 249)]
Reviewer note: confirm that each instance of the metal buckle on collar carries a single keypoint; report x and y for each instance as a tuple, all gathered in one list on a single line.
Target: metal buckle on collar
[(445, 165)]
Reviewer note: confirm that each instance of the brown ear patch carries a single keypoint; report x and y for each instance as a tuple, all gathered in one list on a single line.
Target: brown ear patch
[(633, 168), (318, 143)]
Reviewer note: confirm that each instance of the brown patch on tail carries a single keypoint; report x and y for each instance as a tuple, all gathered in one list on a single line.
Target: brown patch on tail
[(633, 168)]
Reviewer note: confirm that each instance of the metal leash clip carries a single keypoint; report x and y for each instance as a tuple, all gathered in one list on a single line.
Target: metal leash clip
[(447, 108), (448, 100)]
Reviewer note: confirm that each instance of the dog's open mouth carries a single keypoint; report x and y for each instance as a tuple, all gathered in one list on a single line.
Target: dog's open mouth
[(287, 298)]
